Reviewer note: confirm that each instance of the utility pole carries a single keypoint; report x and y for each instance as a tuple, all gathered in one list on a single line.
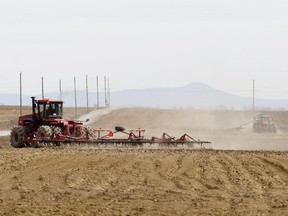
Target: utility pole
[(253, 101), (105, 91), (108, 93), (87, 97), (75, 96), (60, 89), (42, 83), (20, 93), (97, 89)]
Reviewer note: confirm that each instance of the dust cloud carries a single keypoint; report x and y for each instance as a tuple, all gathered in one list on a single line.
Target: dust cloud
[(226, 129)]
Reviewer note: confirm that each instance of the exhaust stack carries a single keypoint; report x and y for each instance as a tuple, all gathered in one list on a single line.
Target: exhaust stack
[(33, 108)]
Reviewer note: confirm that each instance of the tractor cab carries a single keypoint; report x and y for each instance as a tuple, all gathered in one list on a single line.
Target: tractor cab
[(263, 123), (263, 119), (47, 109)]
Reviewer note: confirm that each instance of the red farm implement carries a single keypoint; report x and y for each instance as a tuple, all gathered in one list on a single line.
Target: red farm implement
[(46, 125)]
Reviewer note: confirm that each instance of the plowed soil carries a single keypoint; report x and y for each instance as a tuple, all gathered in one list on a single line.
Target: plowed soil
[(244, 173)]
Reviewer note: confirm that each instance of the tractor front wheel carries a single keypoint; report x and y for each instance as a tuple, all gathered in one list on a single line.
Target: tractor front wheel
[(56, 130), (44, 131), (17, 136)]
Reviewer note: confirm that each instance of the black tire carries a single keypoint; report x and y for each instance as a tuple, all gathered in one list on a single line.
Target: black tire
[(119, 128), (255, 128), (16, 136), (273, 129), (77, 131), (44, 131), (56, 130)]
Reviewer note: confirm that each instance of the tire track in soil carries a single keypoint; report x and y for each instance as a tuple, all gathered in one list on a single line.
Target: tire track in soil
[(269, 174), (144, 181), (237, 173), (282, 169), (279, 180), (236, 179)]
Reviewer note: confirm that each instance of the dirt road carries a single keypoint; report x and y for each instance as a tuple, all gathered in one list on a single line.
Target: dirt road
[(87, 181)]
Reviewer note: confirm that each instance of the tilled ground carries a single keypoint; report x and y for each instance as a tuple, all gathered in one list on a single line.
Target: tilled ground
[(77, 180)]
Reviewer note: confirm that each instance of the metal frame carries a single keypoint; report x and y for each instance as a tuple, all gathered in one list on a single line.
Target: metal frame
[(132, 138)]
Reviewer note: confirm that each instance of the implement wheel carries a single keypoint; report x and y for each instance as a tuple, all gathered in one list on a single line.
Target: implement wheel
[(17, 134), (119, 128)]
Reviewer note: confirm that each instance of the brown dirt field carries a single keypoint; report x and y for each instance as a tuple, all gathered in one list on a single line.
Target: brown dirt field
[(245, 174)]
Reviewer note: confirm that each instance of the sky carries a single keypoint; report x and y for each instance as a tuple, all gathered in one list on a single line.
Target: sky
[(140, 44)]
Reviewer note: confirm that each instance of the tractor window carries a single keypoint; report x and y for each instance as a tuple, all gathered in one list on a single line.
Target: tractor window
[(50, 110), (41, 111), (58, 109)]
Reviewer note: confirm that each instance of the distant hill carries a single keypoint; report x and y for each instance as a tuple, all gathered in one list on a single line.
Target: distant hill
[(194, 95)]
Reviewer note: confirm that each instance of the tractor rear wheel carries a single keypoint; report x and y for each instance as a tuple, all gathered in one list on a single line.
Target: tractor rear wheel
[(273, 128), (17, 134), (44, 131), (256, 128), (56, 132)]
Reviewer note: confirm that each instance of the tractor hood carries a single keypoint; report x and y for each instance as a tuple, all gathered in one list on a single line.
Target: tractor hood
[(24, 117)]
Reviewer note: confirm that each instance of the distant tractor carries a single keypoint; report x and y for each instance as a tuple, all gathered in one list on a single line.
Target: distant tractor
[(263, 123), (46, 120)]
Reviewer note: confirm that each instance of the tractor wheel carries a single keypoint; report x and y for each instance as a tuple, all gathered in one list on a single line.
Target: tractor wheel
[(56, 130), (44, 131), (78, 131), (255, 128), (17, 134), (273, 129)]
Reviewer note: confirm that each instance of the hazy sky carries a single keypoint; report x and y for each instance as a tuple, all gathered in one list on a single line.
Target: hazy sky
[(145, 43)]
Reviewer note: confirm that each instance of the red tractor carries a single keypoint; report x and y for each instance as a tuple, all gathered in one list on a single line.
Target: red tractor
[(46, 120), (263, 123)]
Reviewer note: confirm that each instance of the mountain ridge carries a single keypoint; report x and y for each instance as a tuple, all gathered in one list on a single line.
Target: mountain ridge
[(192, 95)]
